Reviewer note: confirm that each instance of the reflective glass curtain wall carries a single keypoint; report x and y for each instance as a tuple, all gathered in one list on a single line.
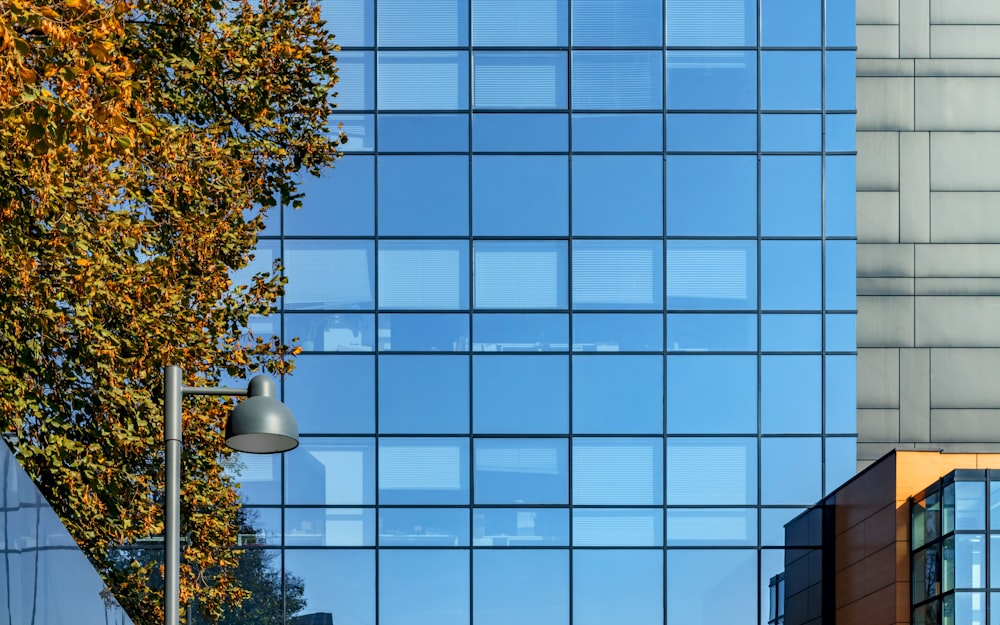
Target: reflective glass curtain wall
[(577, 310)]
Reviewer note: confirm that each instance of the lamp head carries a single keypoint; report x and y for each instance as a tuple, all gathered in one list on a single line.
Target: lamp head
[(260, 424)]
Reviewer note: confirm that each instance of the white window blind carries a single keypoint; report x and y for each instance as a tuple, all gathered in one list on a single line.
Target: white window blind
[(422, 80), (617, 80), (515, 23), (324, 278), (426, 279), (592, 530), (423, 467), (712, 23), (423, 23), (613, 474), (708, 475), (707, 273), (519, 80), (602, 22), (610, 276), (516, 278), (537, 460)]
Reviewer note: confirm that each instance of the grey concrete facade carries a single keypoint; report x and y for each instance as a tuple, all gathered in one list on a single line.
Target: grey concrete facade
[(928, 99)]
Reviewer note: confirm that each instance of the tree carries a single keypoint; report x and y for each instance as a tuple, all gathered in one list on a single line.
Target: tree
[(142, 143)]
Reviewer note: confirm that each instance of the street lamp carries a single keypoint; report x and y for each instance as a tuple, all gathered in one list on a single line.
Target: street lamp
[(260, 424)]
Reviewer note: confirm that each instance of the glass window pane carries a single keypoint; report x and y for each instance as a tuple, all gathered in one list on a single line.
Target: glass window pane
[(791, 189), (423, 587), (772, 527), (532, 80), (423, 394), (402, 332), (428, 275), (537, 578), (355, 81), (617, 132), (360, 131), (840, 23), (423, 133), (330, 527), (711, 394), (617, 471), (520, 132), (711, 132), (791, 470), (791, 394), (335, 581), (970, 607), (354, 19), (609, 332), (520, 195), (332, 332), (328, 274), (423, 527), (995, 513), (517, 23), (520, 394), (710, 527), (423, 471), (520, 527), (307, 394), (725, 80), (712, 23), (423, 80), (791, 133), (520, 274), (840, 133), (520, 333), (617, 586), (698, 576), (687, 332), (427, 23), (617, 274), (841, 272), (970, 561), (841, 184), (331, 471), (841, 395), (791, 80), (522, 471), (840, 84), (259, 527), (618, 394), (258, 477), (617, 527), (791, 333), (617, 195), (791, 23), (629, 80), (970, 505), (341, 201), (423, 195), (711, 471), (617, 22), (712, 275), (699, 203), (841, 461), (790, 275)]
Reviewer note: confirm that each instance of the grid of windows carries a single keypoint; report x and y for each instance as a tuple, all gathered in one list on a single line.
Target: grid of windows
[(577, 311)]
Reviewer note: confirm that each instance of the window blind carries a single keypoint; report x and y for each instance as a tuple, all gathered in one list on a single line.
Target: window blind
[(519, 80), (516, 278), (707, 273), (537, 460), (613, 474), (426, 279), (516, 23), (324, 278), (610, 276), (713, 23), (420, 467), (422, 80), (692, 468)]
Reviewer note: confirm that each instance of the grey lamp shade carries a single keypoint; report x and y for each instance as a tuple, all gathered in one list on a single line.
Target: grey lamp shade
[(261, 424)]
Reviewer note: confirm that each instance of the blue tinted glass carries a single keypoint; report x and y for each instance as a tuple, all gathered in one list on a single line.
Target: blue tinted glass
[(339, 202), (354, 20), (711, 394), (791, 394), (335, 581), (791, 189), (617, 332), (841, 394), (519, 23), (520, 195), (520, 527), (422, 587), (427, 23), (533, 80), (841, 333), (520, 274), (617, 132), (423, 195), (691, 600), (423, 394), (355, 81), (521, 470), (618, 471), (841, 212), (840, 84), (617, 22), (711, 471), (841, 461), (772, 528), (723, 527), (401, 332), (354, 409), (619, 274), (257, 476), (328, 274), (423, 133), (712, 23), (841, 272), (699, 204), (261, 261), (331, 471), (724, 80), (791, 333), (790, 133), (688, 332), (840, 133), (330, 527), (790, 275), (791, 470), (840, 23), (617, 527), (520, 132), (711, 132), (261, 526), (423, 527), (617, 586), (626, 80), (423, 471), (423, 80), (427, 275), (618, 394), (520, 333), (360, 130), (617, 195), (711, 275), (520, 394), (538, 578), (791, 80), (790, 22)]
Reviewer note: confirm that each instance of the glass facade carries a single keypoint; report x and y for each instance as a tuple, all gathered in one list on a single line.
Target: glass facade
[(577, 311)]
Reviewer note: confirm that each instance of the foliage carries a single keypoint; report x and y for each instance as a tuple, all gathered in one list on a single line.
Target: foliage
[(142, 141)]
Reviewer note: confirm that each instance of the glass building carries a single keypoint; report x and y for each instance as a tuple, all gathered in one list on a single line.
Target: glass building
[(577, 310)]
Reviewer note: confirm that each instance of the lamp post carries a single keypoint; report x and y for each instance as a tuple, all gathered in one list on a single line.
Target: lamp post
[(260, 425)]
